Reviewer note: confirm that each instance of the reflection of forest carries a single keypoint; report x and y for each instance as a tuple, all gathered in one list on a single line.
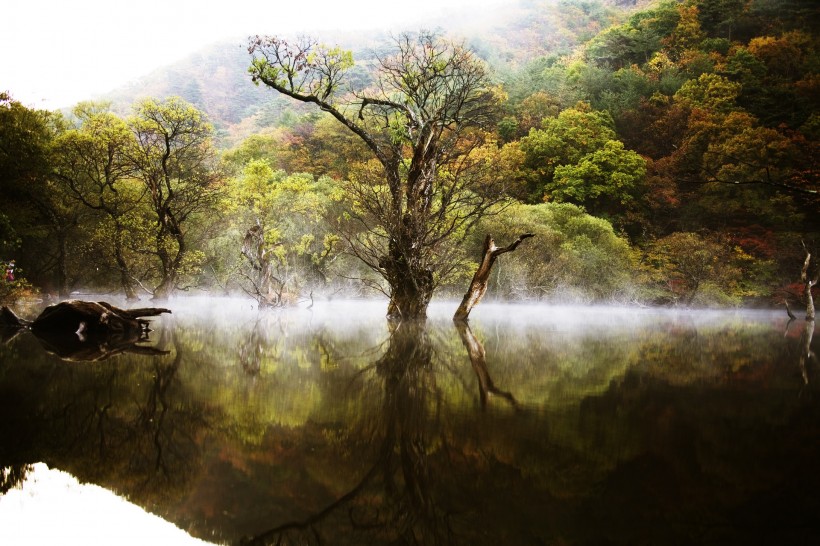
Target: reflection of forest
[(127, 425), (283, 432)]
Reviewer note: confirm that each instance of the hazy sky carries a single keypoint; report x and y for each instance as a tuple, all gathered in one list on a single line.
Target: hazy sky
[(54, 53)]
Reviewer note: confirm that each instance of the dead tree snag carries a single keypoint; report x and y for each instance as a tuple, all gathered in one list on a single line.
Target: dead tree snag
[(478, 286), (808, 283)]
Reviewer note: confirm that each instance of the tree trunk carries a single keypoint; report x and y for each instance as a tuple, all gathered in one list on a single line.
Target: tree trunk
[(806, 354), (61, 269), (125, 276), (478, 286), (809, 283), (268, 289), (410, 293), (170, 269), (411, 283)]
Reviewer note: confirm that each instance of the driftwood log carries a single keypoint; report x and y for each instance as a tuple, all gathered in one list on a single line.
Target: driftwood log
[(86, 330)]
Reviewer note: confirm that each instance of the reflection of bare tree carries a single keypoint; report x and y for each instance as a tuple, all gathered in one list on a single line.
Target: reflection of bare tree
[(478, 359), (394, 500), (806, 354)]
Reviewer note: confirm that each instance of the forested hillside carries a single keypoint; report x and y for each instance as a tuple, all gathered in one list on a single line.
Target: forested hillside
[(215, 79), (660, 152)]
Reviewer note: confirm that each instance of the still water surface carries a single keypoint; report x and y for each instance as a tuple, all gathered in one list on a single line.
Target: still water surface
[(534, 425)]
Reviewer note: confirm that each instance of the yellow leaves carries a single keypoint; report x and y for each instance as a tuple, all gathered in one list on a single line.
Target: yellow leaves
[(304, 244)]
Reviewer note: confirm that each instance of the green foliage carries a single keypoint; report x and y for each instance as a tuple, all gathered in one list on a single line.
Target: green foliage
[(576, 157), (563, 140), (177, 165), (606, 182), (691, 117), (703, 270), (573, 256), (709, 91), (290, 210), (635, 41)]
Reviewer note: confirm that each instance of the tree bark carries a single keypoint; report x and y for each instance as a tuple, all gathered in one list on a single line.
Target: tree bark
[(267, 289), (809, 284), (478, 286), (806, 354), (440, 92), (411, 286)]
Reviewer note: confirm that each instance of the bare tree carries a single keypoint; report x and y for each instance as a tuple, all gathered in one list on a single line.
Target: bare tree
[(421, 116), (808, 283), (478, 286)]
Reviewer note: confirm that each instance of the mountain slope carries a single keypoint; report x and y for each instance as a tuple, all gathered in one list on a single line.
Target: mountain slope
[(215, 79)]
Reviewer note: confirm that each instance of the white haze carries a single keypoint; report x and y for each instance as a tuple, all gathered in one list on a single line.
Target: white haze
[(57, 53), (366, 317)]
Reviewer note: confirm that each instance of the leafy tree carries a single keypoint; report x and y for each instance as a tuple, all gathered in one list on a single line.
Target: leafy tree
[(635, 41), (286, 243), (563, 140), (699, 269), (175, 161), (607, 182), (709, 91), (656, 128), (760, 173), (779, 77), (36, 215), (419, 118), (528, 115), (577, 256), (24, 141), (687, 34), (576, 157), (256, 147), (721, 17), (94, 163)]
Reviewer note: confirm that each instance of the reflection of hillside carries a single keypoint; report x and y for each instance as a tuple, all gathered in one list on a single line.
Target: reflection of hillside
[(703, 463)]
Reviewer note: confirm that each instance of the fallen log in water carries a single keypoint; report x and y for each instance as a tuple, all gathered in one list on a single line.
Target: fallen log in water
[(86, 330)]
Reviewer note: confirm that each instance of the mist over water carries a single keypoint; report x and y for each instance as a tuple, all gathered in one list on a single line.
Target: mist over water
[(533, 424)]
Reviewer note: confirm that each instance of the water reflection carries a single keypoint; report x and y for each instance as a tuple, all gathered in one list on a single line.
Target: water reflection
[(805, 352), (564, 427), (394, 500), (478, 359)]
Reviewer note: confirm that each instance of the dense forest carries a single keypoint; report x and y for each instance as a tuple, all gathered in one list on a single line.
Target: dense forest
[(659, 153)]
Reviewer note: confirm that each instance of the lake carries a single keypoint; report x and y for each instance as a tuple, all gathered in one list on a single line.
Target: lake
[(534, 425)]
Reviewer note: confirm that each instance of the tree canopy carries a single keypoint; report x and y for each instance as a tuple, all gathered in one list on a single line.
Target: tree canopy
[(686, 127)]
